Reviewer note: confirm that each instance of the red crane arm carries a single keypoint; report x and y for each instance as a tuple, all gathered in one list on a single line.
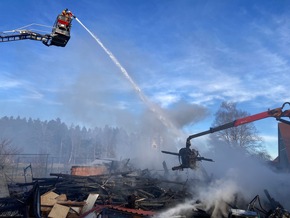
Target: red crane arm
[(276, 113)]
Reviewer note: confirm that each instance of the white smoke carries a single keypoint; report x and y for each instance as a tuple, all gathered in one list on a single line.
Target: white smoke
[(183, 208), (235, 179), (183, 113), (251, 174)]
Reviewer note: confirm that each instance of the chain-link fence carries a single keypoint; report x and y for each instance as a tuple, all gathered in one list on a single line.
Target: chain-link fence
[(23, 167)]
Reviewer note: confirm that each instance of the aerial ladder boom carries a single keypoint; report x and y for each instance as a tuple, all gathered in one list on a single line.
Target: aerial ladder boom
[(23, 34), (59, 35), (277, 113)]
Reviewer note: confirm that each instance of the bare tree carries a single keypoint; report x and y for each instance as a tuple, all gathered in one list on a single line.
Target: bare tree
[(6, 152), (245, 136)]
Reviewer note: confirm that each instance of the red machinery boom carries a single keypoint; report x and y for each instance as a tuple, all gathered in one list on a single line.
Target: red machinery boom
[(276, 113)]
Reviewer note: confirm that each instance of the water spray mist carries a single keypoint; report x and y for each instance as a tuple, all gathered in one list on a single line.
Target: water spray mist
[(156, 110)]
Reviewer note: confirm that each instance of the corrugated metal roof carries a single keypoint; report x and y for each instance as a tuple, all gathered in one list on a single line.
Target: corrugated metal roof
[(133, 211), (99, 208)]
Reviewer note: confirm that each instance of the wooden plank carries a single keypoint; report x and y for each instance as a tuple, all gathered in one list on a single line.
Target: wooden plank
[(61, 197), (76, 209), (45, 209), (48, 198), (72, 203), (90, 202), (58, 211)]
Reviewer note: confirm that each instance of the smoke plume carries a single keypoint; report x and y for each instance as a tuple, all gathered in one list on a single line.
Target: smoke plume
[(234, 179)]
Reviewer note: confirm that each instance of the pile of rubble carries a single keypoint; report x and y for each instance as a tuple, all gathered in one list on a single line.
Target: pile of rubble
[(134, 190), (129, 193), (65, 195)]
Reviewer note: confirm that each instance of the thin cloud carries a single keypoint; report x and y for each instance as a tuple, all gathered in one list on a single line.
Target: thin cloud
[(6, 82)]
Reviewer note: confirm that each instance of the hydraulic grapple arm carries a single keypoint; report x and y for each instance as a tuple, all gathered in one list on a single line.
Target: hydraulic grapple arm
[(277, 113)]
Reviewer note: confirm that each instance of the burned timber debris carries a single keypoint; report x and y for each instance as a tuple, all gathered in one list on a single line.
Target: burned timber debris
[(120, 193)]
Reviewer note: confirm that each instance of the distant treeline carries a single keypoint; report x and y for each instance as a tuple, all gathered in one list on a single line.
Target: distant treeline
[(69, 144)]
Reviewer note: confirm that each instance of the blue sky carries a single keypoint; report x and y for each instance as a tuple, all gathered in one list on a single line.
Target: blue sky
[(179, 52)]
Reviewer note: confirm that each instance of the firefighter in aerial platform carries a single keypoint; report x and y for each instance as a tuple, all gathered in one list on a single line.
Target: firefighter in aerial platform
[(67, 14), (187, 157)]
